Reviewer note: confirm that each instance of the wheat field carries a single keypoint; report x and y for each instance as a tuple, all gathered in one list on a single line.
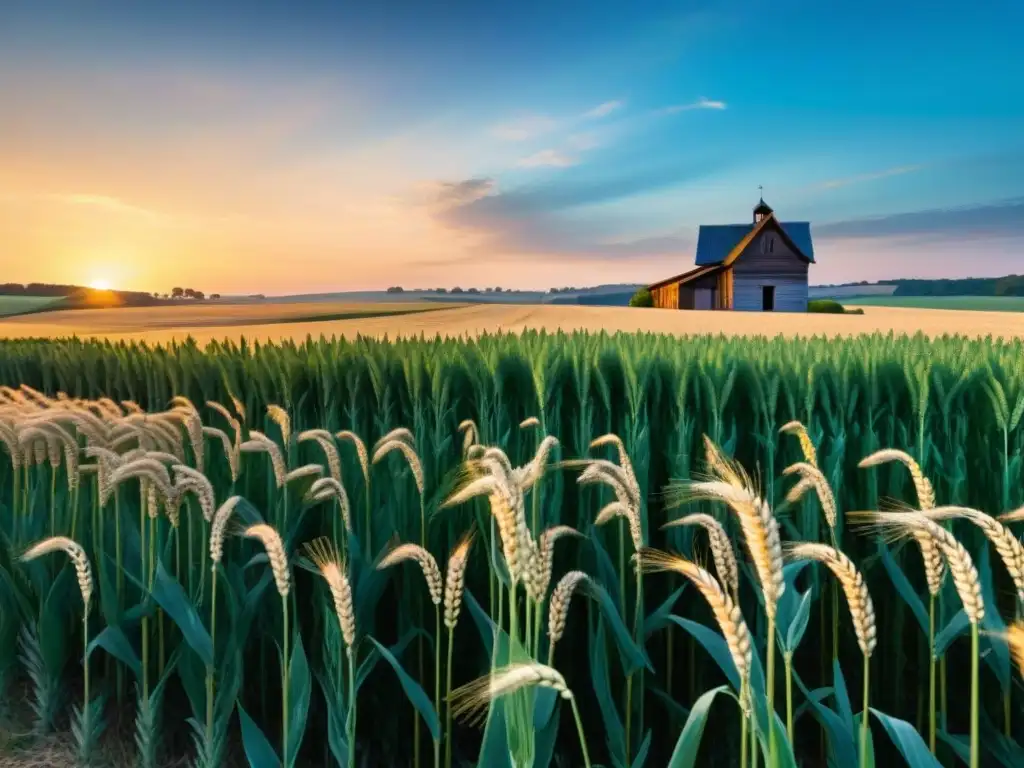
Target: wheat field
[(284, 321)]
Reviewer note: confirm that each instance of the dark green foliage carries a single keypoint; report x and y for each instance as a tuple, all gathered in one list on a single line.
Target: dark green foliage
[(955, 404), (642, 298)]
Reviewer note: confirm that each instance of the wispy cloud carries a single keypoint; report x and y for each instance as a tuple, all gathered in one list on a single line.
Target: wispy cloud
[(524, 128), (898, 171), (551, 158), (701, 103), (581, 142), (106, 203), (603, 110), (999, 219)]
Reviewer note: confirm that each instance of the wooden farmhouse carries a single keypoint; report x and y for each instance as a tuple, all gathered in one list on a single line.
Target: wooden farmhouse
[(756, 267)]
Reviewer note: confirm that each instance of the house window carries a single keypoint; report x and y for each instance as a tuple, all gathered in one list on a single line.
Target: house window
[(771, 245)]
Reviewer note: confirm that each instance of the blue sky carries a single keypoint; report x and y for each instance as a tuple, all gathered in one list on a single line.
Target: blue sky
[(258, 147)]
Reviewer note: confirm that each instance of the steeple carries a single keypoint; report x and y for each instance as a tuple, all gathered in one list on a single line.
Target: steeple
[(762, 209)]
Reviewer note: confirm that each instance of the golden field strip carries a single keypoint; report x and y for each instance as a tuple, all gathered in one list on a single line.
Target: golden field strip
[(275, 321)]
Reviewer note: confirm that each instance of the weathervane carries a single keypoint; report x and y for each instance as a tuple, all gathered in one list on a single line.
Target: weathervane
[(760, 191)]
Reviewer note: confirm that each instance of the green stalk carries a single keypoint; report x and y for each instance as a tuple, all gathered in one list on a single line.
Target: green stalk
[(743, 725), (864, 714), (143, 577), (772, 750), (86, 730), (931, 674), (284, 684), (579, 731), (975, 753), (351, 707), (15, 495), (787, 659), (448, 709), (437, 678), (369, 544), (53, 503), (209, 669)]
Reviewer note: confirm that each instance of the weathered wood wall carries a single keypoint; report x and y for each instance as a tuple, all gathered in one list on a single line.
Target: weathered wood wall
[(773, 264)]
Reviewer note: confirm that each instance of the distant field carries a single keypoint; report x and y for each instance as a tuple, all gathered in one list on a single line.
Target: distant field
[(275, 322), (976, 303), (184, 317), (849, 291), (15, 305)]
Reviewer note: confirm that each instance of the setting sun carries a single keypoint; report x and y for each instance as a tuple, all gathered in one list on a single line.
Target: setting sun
[(100, 284)]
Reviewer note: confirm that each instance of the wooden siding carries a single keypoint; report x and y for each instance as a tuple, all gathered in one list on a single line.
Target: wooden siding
[(778, 267), (790, 294), (666, 297)]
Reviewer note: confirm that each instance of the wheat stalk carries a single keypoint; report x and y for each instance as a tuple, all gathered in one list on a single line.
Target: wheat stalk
[(74, 551), (325, 440), (332, 569), (858, 599), (812, 477), (806, 444), (558, 609), (961, 566), (260, 443), (426, 562), (470, 701), (271, 541), (922, 485), (219, 528), (1007, 546), (721, 549), (726, 612), (410, 456), (455, 580), (279, 416)]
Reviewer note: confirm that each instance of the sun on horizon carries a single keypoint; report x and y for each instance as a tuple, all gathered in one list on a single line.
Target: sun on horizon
[(100, 284)]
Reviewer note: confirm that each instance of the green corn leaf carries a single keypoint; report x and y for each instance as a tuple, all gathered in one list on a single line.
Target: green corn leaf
[(258, 751), (797, 628), (658, 619), (615, 732), (172, 598), (688, 745), (714, 644), (299, 691), (907, 740), (870, 761), (959, 745), (413, 691), (998, 659), (337, 711), (841, 744), (956, 626), (641, 754), (842, 696), (607, 576), (632, 657), (370, 662), (899, 580), (114, 641), (1003, 749)]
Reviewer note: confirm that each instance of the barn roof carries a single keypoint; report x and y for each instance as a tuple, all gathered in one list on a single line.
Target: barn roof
[(687, 277), (716, 241)]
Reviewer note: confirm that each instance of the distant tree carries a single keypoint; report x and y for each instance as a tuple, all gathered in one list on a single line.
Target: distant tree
[(497, 289), (642, 298), (198, 295), (214, 296), (488, 290), (456, 289), (396, 289), (441, 290), (177, 293), (473, 290), (189, 293)]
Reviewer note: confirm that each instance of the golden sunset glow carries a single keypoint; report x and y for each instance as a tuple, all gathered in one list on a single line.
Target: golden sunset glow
[(100, 284)]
